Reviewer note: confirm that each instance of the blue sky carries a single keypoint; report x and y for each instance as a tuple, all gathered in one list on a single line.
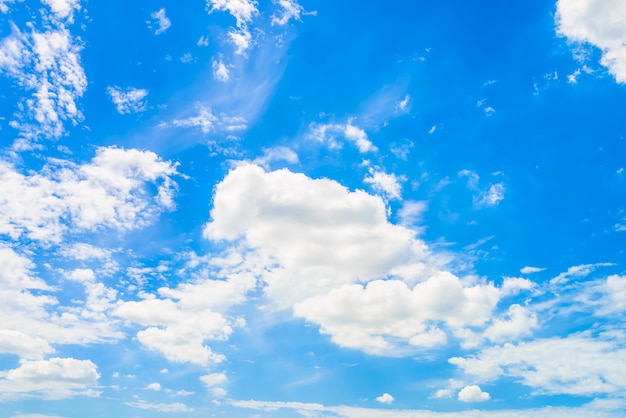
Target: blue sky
[(320, 209)]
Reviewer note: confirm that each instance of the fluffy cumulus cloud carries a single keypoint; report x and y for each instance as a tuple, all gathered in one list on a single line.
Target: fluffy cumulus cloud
[(599, 23), (473, 393), (56, 378), (332, 256), (220, 71), (46, 64), (385, 398), (130, 100), (110, 191)]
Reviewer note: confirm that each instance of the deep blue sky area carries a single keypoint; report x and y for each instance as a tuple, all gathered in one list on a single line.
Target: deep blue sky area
[(290, 208)]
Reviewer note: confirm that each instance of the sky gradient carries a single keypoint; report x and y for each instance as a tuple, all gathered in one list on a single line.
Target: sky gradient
[(325, 209)]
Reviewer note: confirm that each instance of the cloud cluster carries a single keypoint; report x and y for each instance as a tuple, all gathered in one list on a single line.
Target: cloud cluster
[(111, 191), (332, 257), (46, 64), (243, 11), (327, 134)]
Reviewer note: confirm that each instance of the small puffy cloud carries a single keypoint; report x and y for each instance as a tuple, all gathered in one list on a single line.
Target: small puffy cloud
[(385, 398), (473, 393), (442, 394), (130, 100), (531, 270), (388, 184), (599, 23), (154, 386), (214, 379), (220, 71), (161, 20)]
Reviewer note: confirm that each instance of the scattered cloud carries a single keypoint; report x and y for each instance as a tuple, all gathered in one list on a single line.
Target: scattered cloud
[(385, 398), (473, 393), (599, 23), (403, 105), (220, 71), (160, 407), (160, 20), (275, 155), (209, 122), (290, 9), (531, 270), (154, 386), (46, 65), (243, 11), (130, 100), (326, 133), (493, 195), (388, 184)]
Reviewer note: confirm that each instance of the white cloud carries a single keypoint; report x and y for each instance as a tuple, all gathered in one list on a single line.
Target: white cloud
[(276, 154), (491, 196), (385, 398), (531, 270), (63, 9), (208, 122), (47, 66), (220, 72), (473, 393), (332, 256), (290, 10), (160, 407), (111, 191), (326, 133), (214, 379), (592, 409), (389, 184), (582, 270), (403, 105), (599, 23), (243, 11), (25, 346), (161, 20), (130, 100), (154, 386), (56, 378), (521, 321), (574, 365)]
